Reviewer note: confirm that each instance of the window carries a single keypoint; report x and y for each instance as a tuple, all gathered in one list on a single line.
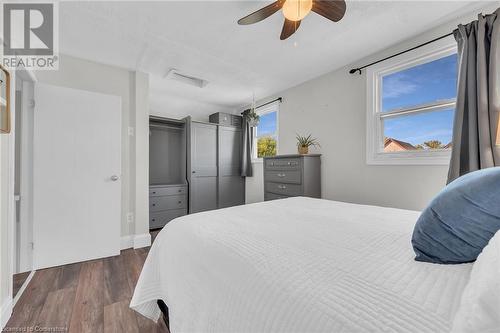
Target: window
[(266, 133), (411, 107)]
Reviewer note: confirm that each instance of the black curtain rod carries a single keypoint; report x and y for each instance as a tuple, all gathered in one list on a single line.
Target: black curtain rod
[(354, 70), (280, 99)]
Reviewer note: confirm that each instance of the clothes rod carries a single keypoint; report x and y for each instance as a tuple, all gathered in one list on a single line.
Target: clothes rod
[(359, 69), (165, 126)]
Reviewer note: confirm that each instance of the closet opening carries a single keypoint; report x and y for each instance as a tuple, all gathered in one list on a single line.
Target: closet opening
[(168, 187)]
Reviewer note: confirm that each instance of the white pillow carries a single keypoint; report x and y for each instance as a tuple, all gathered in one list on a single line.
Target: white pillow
[(479, 309)]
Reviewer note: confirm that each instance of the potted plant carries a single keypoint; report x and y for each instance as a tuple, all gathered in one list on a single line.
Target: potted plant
[(252, 118), (304, 142)]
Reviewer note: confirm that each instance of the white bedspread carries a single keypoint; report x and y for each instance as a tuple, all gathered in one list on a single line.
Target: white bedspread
[(297, 265)]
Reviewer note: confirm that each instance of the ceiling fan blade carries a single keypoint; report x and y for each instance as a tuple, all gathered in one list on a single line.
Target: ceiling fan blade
[(331, 9), (289, 28), (262, 13)]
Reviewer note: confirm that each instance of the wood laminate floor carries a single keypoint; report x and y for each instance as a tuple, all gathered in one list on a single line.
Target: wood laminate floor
[(18, 281), (91, 296)]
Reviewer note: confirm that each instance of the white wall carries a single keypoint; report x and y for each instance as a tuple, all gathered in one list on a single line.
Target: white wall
[(88, 75), (333, 109), (140, 149)]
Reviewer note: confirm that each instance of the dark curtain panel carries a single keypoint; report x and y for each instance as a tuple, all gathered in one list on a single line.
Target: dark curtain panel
[(246, 156), (478, 97)]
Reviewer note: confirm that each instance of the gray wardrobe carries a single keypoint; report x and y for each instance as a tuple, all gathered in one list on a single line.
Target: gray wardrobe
[(194, 166), (213, 165)]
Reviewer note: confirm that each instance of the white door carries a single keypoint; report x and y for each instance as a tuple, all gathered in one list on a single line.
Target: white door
[(77, 180)]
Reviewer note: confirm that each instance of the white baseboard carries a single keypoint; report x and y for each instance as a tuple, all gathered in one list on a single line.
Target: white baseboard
[(142, 240), (135, 241), (23, 288), (5, 312), (127, 242)]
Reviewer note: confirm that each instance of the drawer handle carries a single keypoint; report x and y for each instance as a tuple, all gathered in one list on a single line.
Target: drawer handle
[(154, 205), (154, 192), (179, 191), (283, 187), (281, 175), (153, 220), (179, 202)]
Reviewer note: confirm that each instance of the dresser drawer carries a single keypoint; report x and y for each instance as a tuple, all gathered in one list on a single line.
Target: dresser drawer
[(286, 189), (271, 196), (167, 190), (282, 164), (289, 177), (159, 219), (167, 202)]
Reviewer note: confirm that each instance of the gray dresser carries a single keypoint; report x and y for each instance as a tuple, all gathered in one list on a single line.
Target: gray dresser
[(292, 175), (166, 202)]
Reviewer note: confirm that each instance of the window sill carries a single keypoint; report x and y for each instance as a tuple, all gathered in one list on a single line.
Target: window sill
[(257, 161), (410, 158)]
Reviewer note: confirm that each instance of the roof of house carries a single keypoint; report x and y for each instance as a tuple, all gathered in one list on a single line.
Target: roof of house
[(402, 144)]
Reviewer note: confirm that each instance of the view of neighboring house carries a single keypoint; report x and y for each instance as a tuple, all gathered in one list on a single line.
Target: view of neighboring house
[(392, 145)]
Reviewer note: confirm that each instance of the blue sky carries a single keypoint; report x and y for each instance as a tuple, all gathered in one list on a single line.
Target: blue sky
[(267, 124), (425, 83)]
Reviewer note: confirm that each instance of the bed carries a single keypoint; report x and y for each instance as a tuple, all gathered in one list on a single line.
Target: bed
[(297, 265)]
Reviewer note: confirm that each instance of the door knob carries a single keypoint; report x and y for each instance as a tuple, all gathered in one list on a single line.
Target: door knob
[(114, 178)]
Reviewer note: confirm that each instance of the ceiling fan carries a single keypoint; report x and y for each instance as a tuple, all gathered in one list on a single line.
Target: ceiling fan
[(295, 10)]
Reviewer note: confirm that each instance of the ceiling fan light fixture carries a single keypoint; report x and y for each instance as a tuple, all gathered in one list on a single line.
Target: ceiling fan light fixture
[(296, 10)]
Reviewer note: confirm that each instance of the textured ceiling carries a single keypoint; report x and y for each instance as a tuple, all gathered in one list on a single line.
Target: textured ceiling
[(202, 39)]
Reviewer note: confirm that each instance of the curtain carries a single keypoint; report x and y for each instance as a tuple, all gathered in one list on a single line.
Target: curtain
[(474, 144), (246, 158)]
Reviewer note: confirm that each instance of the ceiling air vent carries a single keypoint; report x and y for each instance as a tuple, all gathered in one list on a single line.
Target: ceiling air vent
[(174, 74)]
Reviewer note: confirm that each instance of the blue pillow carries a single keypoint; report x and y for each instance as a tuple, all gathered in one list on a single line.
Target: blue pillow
[(460, 220)]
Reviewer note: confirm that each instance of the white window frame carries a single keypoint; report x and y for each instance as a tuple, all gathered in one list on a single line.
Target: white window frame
[(375, 154), (274, 106)]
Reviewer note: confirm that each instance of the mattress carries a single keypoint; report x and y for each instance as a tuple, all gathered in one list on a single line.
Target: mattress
[(297, 265)]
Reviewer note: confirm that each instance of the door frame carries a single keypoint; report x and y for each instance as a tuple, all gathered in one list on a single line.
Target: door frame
[(27, 80), (25, 261)]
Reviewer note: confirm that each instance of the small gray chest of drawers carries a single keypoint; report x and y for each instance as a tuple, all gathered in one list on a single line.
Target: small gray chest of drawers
[(166, 202), (292, 175)]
